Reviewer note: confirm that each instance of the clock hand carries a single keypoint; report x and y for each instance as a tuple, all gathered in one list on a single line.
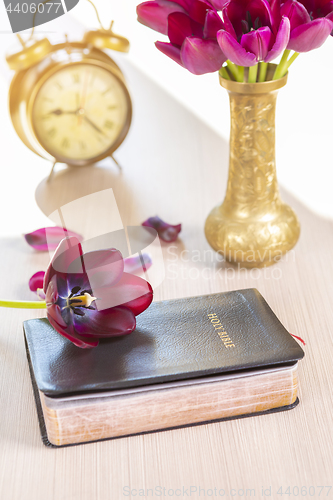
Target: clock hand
[(94, 125), (59, 112)]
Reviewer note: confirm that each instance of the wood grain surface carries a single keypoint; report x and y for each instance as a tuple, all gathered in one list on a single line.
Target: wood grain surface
[(176, 167)]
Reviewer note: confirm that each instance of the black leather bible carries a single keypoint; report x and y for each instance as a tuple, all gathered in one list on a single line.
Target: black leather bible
[(189, 361)]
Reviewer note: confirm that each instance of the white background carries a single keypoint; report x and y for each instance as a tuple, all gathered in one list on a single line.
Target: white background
[(304, 114)]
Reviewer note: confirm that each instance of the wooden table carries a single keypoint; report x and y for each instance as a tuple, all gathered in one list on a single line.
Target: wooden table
[(176, 167)]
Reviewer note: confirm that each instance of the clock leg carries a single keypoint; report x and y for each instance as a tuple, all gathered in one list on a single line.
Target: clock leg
[(52, 169), (118, 165)]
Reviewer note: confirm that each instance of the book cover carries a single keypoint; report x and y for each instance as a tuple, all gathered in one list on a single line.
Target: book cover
[(176, 343)]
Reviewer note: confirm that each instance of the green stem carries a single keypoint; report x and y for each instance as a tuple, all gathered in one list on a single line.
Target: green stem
[(292, 59), (282, 67), (241, 73), (262, 71), (233, 70), (14, 304), (224, 73), (253, 71)]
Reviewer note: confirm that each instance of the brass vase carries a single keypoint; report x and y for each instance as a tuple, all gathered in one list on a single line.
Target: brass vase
[(253, 227)]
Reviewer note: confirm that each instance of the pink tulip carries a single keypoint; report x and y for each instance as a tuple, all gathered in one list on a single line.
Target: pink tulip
[(192, 44), (253, 31), (311, 22)]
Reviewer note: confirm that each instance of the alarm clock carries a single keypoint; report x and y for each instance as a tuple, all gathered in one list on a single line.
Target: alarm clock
[(69, 102)]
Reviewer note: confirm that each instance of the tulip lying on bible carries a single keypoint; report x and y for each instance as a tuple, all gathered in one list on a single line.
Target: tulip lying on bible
[(89, 296), (229, 35)]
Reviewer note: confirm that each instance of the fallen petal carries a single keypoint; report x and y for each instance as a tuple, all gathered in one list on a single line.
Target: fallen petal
[(310, 36), (48, 238), (166, 232), (36, 284), (234, 51), (138, 263), (155, 14), (202, 56)]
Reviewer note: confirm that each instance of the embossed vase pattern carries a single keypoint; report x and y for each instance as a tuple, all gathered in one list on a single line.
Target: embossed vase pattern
[(253, 226)]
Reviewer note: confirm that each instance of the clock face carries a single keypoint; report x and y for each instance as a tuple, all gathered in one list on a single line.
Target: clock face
[(81, 112)]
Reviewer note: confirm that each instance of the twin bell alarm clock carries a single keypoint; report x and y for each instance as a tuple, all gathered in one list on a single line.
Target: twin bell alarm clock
[(69, 102)]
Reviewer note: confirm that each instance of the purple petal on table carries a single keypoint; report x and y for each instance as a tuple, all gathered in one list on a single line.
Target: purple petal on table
[(310, 36), (106, 323), (170, 50), (48, 238), (70, 334), (137, 263), (166, 232), (128, 290), (179, 27), (296, 13), (213, 23), (281, 40), (36, 281), (155, 14), (68, 251), (201, 56), (234, 51), (103, 267), (258, 42)]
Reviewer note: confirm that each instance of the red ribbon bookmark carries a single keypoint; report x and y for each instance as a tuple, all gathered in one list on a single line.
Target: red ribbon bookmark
[(298, 338)]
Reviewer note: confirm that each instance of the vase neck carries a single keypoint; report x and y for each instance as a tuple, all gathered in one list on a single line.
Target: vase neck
[(252, 183)]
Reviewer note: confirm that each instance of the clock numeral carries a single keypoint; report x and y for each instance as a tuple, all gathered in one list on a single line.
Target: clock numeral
[(52, 132), (108, 124), (107, 90), (65, 143), (76, 78)]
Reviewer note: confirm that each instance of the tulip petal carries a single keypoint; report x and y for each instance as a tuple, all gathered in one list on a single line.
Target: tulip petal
[(166, 232), (219, 4), (281, 40), (234, 51), (258, 42), (106, 323), (103, 267), (68, 333), (310, 36), (126, 293), (179, 27), (138, 263), (213, 23), (155, 14), (197, 10), (68, 251), (36, 281), (48, 238), (201, 56), (170, 50), (296, 13), (237, 11), (36, 284)]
